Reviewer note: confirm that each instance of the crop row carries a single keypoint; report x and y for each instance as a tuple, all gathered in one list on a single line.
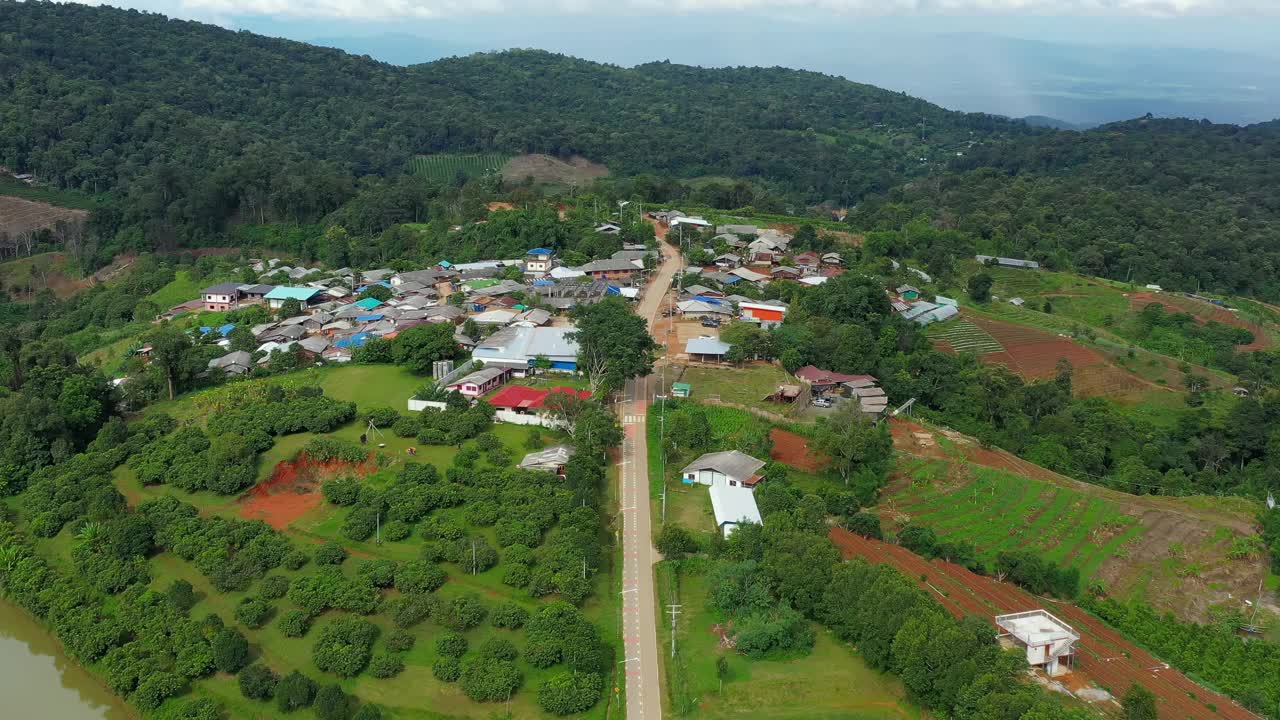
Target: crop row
[(964, 336), (446, 167)]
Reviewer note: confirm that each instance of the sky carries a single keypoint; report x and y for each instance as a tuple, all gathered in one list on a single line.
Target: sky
[(1085, 61)]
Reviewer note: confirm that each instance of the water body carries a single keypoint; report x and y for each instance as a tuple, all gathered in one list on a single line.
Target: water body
[(38, 681)]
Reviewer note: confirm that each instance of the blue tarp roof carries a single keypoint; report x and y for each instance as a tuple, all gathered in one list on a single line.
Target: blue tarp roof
[(369, 318), (355, 341), (368, 303), (705, 299), (543, 283), (539, 251), (445, 264), (613, 290), (226, 329)]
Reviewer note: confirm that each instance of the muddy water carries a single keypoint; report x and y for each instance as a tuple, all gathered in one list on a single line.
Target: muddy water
[(38, 681)]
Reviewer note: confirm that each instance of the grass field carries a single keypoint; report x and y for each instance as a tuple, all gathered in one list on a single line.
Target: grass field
[(748, 385), (830, 683), (445, 167)]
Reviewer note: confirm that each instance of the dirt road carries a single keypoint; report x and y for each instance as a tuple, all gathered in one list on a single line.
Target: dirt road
[(639, 598)]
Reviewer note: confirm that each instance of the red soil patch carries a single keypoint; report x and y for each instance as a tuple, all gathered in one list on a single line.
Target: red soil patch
[(1103, 655), (293, 490), (1034, 354), (794, 450), (501, 206), (913, 439)]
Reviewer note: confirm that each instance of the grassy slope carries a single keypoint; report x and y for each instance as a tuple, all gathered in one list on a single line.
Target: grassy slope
[(62, 198)]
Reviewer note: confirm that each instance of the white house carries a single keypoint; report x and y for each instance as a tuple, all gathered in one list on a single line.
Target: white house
[(1048, 640), (731, 468), (481, 381), (517, 347), (733, 506)]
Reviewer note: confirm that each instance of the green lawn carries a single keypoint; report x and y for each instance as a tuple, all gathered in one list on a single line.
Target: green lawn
[(748, 385), (179, 290), (830, 683)]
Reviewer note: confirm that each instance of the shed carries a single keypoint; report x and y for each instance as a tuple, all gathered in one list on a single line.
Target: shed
[(730, 467), (733, 506), (707, 348)]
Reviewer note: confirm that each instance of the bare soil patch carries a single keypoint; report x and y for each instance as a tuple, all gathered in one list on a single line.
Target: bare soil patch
[(293, 490), (794, 450), (548, 169), (19, 218)]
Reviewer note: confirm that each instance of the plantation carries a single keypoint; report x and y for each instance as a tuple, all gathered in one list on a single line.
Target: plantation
[(447, 167), (963, 336)]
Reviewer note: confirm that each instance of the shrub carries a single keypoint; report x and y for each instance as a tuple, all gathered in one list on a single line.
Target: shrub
[(383, 417), (498, 648), (446, 669), (181, 595), (396, 530), (330, 553), (253, 612), (274, 587), (156, 688), (332, 704), (324, 449), (344, 646), (200, 709), (570, 693), (400, 640), (462, 613), (294, 560), (488, 680), (257, 682), (341, 491), (294, 691), (295, 623), (451, 644), (379, 573), (406, 612), (230, 650), (419, 577), (675, 542), (516, 576), (360, 523), (509, 615), (865, 524), (386, 665), (367, 712)]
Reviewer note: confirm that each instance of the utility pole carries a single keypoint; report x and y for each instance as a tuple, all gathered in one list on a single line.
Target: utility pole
[(378, 520), (674, 610)]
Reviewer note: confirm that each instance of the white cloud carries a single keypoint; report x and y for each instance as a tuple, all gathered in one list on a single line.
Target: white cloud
[(391, 9)]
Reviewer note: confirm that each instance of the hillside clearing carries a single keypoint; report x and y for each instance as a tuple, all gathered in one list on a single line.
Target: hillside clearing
[(545, 169)]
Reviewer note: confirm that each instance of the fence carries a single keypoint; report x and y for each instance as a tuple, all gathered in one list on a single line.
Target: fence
[(515, 418)]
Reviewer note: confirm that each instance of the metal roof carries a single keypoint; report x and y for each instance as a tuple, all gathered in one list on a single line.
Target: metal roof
[(706, 345), (734, 505), (292, 293), (735, 464)]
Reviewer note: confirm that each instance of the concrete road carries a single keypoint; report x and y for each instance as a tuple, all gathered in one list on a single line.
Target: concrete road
[(639, 598)]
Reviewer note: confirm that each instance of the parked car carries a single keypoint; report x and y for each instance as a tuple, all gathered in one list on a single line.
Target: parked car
[(822, 402), (710, 322)]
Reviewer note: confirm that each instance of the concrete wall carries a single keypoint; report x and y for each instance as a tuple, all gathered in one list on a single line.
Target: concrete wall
[(515, 418), (420, 405)]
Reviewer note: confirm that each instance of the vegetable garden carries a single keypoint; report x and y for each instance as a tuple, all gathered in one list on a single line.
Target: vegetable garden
[(446, 167)]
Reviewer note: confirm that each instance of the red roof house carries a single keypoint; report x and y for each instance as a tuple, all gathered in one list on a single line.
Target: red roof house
[(527, 400), (825, 379)]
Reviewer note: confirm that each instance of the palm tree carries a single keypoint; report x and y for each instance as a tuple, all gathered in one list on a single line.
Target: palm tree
[(9, 557), (90, 533)]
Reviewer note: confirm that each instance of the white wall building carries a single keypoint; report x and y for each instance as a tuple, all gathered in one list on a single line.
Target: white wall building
[(1047, 640)]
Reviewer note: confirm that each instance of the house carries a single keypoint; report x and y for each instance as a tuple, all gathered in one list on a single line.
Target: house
[(1017, 301), (766, 315), (188, 306), (501, 318), (609, 229), (522, 405), (785, 272), (737, 230), (372, 276), (538, 261), (280, 295), (694, 221), (707, 349), (255, 293), (824, 381), (610, 269), (351, 342), (1048, 641), (481, 381), (536, 317), (807, 260), (832, 258), (517, 348), (728, 261), (552, 459), (681, 390), (814, 280), (732, 468), (909, 292), (733, 506), (221, 297), (749, 276), (236, 363), (703, 291), (314, 345), (1008, 262), (703, 308), (427, 278), (564, 273), (283, 334)]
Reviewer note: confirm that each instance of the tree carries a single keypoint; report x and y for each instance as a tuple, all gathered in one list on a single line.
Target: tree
[(230, 650), (332, 703), (853, 441), (569, 693), (980, 287), (418, 347), (674, 542), (381, 293), (171, 351), (291, 307), (614, 344), (1139, 703), (294, 691), (257, 682)]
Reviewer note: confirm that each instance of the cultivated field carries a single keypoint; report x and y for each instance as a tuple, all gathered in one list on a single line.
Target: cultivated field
[(962, 336), (446, 167), (1171, 552), (1204, 312), (1103, 656), (545, 169), (19, 219)]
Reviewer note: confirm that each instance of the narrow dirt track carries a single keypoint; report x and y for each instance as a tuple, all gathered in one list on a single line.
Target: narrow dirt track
[(1104, 657)]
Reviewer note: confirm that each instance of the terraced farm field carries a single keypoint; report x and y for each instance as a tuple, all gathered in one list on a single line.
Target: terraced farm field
[(445, 167), (1175, 553), (963, 336)]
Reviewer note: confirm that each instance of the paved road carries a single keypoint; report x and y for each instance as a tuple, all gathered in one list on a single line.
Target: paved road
[(639, 599)]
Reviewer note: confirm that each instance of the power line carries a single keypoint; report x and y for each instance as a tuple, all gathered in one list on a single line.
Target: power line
[(674, 610)]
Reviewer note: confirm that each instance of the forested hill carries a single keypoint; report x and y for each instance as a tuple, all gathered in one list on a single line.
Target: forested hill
[(193, 122)]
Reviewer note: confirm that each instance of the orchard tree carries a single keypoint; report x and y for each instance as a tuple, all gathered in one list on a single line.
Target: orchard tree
[(853, 441)]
